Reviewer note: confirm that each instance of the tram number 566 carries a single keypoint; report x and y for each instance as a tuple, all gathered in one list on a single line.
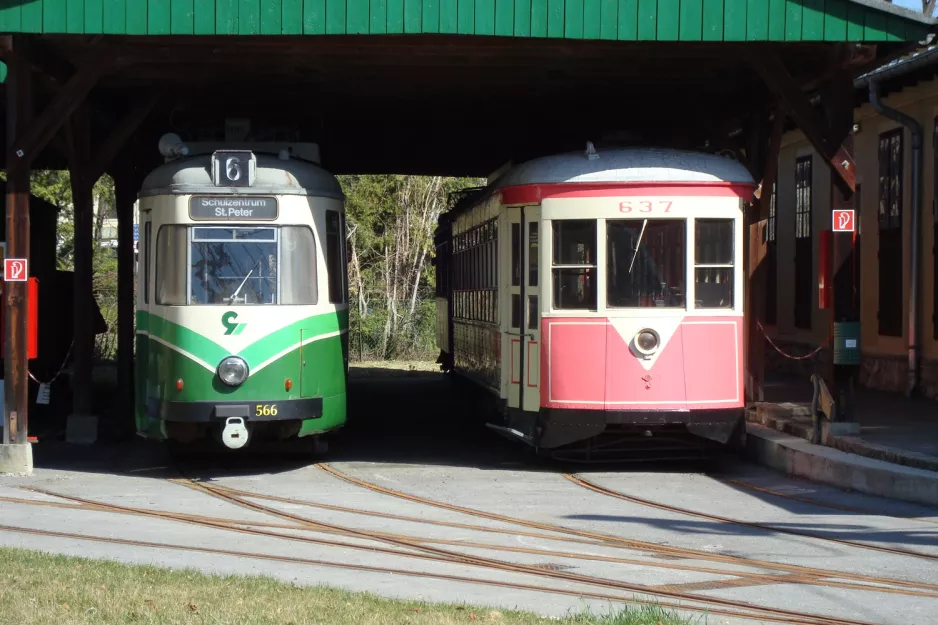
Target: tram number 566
[(645, 206)]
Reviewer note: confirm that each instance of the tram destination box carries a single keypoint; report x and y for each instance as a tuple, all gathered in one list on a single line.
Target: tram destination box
[(234, 208)]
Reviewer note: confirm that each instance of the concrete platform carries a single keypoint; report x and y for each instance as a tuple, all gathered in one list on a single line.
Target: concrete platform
[(16, 459), (795, 456)]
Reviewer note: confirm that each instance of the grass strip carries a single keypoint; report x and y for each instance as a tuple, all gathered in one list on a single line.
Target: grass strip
[(40, 588)]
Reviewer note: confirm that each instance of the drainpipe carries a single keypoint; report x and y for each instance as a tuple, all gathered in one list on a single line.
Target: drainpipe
[(915, 265)]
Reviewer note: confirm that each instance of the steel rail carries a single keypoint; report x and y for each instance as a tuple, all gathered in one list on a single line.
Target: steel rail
[(625, 542), (579, 481), (811, 580), (521, 568), (232, 524), (393, 571), (93, 505)]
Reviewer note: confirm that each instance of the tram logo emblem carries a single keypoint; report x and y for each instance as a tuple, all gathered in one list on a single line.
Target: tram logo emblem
[(231, 325)]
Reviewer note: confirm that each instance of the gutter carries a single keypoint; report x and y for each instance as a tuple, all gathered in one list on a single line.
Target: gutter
[(915, 314)]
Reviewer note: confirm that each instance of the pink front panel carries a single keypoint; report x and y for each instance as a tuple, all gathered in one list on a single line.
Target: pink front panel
[(587, 363), (714, 376), (573, 360), (629, 385)]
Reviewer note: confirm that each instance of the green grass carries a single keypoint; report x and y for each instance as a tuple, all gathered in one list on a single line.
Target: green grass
[(38, 588)]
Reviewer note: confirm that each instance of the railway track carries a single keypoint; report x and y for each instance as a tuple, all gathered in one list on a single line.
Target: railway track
[(235, 524), (616, 541), (745, 611), (427, 550), (580, 481), (712, 605)]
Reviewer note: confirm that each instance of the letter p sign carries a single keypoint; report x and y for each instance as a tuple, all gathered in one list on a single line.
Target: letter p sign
[(14, 270)]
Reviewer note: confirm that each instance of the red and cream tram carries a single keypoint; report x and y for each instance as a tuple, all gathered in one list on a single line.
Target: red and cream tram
[(598, 297)]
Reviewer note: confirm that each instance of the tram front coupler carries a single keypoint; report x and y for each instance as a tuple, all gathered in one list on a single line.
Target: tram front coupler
[(235, 433)]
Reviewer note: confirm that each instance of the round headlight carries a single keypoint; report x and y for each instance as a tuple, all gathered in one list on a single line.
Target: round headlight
[(233, 371), (646, 341)]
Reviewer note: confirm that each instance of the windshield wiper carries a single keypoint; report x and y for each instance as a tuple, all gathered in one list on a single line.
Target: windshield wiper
[(234, 296), (638, 245)]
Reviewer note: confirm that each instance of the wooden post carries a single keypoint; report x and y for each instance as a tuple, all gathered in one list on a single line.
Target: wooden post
[(757, 222), (15, 380), (125, 183), (83, 294), (844, 303)]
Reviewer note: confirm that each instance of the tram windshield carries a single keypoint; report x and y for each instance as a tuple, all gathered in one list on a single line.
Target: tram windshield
[(235, 265), (646, 263)]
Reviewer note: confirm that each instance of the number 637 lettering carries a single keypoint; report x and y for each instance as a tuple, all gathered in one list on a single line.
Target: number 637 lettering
[(644, 206)]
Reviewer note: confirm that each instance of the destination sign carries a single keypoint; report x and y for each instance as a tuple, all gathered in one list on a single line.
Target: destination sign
[(233, 208)]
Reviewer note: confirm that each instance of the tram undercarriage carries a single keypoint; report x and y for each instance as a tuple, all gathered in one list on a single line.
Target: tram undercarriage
[(625, 436)]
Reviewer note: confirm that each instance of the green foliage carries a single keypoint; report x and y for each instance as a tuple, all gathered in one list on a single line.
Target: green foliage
[(55, 187), (391, 220)]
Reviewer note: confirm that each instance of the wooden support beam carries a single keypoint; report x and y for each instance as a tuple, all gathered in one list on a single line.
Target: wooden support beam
[(79, 137), (15, 380), (126, 183), (115, 141), (773, 72), (757, 223), (30, 143)]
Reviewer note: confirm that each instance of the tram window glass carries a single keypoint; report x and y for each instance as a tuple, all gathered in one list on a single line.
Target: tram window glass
[(334, 257), (233, 266), (713, 263), (532, 254), (298, 275), (574, 264), (645, 263), (515, 254), (171, 265)]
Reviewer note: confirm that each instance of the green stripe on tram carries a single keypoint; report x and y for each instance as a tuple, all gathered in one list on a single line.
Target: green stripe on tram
[(182, 339)]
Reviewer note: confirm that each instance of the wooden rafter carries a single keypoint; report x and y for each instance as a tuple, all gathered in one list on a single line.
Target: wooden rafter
[(773, 72), (43, 129), (115, 141)]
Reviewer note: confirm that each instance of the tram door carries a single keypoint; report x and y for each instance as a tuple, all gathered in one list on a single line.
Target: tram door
[(523, 316)]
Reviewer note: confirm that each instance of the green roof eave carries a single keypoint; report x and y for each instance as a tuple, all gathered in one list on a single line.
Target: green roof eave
[(623, 20)]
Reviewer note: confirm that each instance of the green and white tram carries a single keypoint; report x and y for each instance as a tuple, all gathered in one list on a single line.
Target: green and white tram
[(242, 295)]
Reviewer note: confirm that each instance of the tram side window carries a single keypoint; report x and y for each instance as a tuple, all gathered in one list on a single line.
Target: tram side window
[(298, 275), (171, 266), (645, 263), (713, 263), (334, 257), (574, 264)]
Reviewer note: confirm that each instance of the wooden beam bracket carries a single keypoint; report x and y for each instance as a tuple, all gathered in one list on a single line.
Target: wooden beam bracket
[(773, 72), (28, 145)]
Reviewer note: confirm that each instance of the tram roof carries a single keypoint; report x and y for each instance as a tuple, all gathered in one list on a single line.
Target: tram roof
[(276, 176), (613, 165), (626, 165)]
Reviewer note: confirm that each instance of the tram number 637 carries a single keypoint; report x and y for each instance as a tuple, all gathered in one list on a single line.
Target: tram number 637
[(645, 206)]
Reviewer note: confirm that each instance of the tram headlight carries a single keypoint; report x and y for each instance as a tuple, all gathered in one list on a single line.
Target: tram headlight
[(233, 371), (646, 341)]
